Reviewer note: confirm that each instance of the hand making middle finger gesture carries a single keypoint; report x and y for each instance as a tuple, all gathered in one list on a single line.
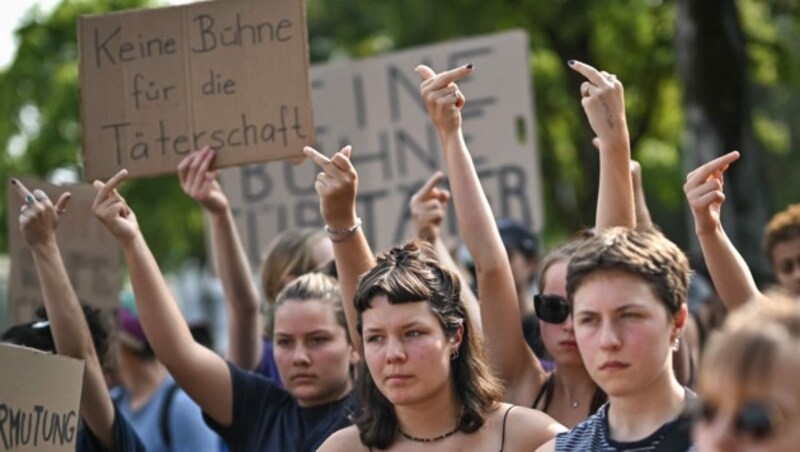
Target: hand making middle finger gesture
[(38, 217), (112, 210), (428, 208), (704, 192), (337, 185), (603, 100), (200, 183), (442, 97)]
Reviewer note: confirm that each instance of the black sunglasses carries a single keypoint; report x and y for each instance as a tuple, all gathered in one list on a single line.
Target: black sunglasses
[(551, 308), (758, 420)]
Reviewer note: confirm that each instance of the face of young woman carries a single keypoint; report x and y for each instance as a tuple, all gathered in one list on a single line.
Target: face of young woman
[(623, 332), (777, 402), (312, 352), (406, 351), (786, 264), (559, 339)]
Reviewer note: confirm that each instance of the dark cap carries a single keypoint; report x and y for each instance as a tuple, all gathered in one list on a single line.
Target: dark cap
[(516, 236)]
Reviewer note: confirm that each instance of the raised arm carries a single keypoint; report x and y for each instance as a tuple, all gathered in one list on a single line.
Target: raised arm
[(337, 185), (643, 218), (428, 208), (729, 271), (508, 351), (230, 260), (196, 369), (38, 221), (603, 100)]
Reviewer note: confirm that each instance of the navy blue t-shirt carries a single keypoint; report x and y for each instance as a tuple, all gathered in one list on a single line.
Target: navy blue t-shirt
[(267, 417), (125, 439)]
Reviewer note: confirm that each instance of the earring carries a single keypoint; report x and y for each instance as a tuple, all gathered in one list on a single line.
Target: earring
[(676, 345), (454, 355)]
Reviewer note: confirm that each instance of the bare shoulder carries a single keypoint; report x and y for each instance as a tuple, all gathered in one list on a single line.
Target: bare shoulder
[(528, 429), (344, 440), (549, 446)]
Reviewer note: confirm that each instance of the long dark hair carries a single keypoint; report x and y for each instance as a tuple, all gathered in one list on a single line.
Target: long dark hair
[(411, 274)]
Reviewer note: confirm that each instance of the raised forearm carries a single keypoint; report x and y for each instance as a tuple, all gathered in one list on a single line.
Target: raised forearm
[(241, 294), (353, 258), (729, 271), (72, 338), (615, 200), (162, 321)]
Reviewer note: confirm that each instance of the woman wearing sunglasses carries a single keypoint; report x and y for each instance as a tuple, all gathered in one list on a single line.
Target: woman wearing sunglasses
[(568, 394), (748, 381)]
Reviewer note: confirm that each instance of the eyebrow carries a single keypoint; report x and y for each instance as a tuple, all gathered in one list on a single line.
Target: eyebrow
[(405, 326), (621, 308), (310, 333)]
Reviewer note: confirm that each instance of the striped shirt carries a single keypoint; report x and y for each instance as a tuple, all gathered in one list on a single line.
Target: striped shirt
[(592, 435)]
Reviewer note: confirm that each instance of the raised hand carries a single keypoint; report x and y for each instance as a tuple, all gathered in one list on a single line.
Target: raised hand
[(200, 183), (442, 97), (336, 185), (38, 217), (704, 192), (112, 210), (603, 100), (428, 208)]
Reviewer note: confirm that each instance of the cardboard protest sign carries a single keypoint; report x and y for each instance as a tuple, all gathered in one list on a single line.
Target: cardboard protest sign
[(375, 105), (90, 253), (40, 397), (157, 84)]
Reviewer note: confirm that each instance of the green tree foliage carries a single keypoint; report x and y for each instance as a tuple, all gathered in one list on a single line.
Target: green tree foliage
[(634, 39), (41, 134)]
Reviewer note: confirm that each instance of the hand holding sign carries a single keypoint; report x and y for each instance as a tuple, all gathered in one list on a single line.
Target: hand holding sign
[(200, 183), (442, 97), (428, 208), (112, 210), (603, 100), (703, 190), (39, 219), (336, 186)]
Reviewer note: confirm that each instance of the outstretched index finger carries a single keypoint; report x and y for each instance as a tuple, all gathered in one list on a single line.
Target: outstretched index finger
[(316, 157), (111, 184), (445, 78), (591, 74), (21, 190), (701, 174), (430, 184)]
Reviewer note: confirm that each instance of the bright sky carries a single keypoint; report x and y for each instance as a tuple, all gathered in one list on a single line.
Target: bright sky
[(15, 10)]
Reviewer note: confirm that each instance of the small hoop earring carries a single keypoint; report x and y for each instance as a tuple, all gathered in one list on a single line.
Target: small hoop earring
[(676, 345), (454, 355)]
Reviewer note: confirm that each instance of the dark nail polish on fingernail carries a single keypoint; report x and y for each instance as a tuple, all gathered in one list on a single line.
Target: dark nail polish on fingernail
[(571, 62), (470, 66), (13, 182)]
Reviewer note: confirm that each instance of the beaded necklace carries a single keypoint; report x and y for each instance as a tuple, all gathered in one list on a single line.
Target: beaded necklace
[(431, 440)]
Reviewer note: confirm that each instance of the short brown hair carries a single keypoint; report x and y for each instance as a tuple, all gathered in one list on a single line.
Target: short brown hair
[(644, 253), (785, 225)]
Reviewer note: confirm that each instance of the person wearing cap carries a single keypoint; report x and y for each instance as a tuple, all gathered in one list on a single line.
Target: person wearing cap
[(523, 256), (163, 416)]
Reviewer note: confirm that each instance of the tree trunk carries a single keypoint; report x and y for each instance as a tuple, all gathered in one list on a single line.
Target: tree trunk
[(712, 65)]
